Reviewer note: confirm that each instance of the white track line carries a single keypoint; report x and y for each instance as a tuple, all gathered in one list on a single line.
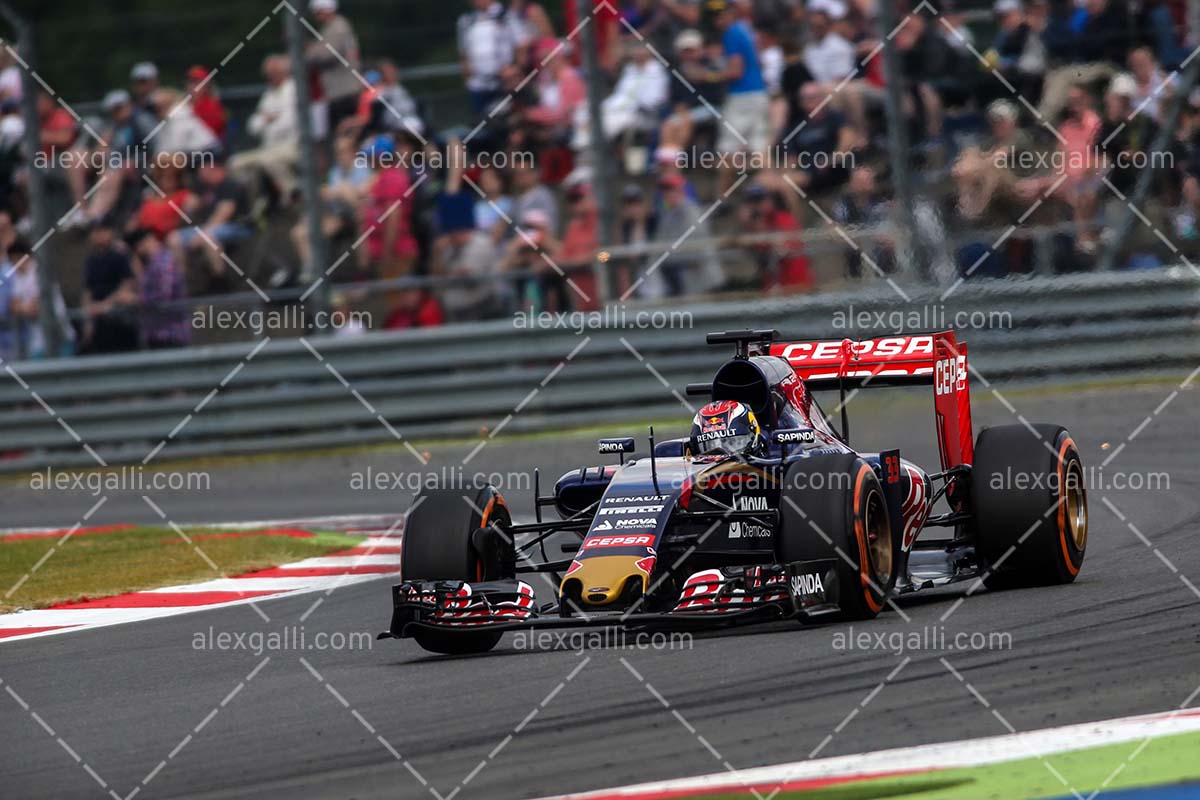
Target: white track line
[(268, 584), (946, 755), (98, 617), (380, 541), (346, 562), (355, 523)]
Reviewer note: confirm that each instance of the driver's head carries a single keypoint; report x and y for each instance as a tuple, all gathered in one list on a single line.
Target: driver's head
[(727, 427)]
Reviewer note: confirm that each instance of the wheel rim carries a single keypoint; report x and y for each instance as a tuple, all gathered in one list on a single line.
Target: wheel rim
[(1076, 502), (879, 540)]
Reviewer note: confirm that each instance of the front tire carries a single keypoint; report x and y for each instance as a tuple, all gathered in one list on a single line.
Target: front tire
[(456, 643), (833, 507), (1030, 506), (440, 543), (457, 535)]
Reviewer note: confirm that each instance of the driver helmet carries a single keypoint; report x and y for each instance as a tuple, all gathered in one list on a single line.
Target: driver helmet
[(725, 426)]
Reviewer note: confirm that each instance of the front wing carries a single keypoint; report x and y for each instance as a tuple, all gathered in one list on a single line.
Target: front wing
[(709, 599)]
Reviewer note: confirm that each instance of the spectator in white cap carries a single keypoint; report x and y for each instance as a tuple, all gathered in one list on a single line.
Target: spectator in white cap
[(693, 101), (986, 176), (143, 82), (1124, 135), (274, 123), (535, 250), (831, 58), (828, 56), (485, 48), (179, 130), (122, 143), (639, 95), (335, 57), (1154, 89), (1017, 51)]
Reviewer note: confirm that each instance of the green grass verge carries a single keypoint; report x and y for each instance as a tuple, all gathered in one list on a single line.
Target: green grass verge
[(106, 564), (1165, 760)]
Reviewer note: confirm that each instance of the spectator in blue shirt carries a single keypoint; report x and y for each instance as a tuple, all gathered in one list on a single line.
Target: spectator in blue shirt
[(8, 235), (745, 114)]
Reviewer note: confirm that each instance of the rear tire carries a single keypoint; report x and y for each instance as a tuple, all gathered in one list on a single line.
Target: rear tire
[(1030, 506), (441, 533), (838, 497)]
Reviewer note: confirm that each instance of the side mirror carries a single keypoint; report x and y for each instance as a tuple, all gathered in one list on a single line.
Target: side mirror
[(622, 445), (794, 436)]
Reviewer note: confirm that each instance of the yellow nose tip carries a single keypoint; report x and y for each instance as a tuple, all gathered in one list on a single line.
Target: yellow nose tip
[(600, 581)]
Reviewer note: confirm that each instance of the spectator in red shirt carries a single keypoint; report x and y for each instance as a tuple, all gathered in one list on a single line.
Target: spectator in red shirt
[(387, 215), (605, 18), (205, 103), (414, 308), (561, 90), (580, 242), (160, 213), (782, 262), (59, 131)]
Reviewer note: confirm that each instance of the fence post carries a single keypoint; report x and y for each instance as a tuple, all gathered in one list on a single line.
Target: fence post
[(602, 161), (39, 197), (310, 179), (910, 237)]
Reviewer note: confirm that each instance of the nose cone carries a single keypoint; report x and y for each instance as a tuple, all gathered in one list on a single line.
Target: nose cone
[(602, 580)]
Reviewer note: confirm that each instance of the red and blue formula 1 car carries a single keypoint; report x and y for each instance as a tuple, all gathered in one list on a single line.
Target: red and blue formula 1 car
[(764, 512)]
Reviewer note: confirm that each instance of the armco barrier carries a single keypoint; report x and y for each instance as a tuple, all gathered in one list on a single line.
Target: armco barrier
[(464, 380)]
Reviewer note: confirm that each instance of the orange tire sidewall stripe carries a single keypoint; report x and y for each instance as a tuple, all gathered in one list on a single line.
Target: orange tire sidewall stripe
[(1068, 444), (483, 523), (860, 533), (487, 511)]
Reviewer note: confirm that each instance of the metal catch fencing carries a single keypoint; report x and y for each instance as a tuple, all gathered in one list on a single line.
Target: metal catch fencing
[(479, 380)]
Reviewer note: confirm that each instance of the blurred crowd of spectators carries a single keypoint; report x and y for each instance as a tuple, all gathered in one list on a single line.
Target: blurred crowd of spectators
[(168, 195), (758, 122), (1037, 115)]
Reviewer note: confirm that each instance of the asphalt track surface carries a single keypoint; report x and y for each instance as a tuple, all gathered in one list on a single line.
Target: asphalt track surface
[(127, 700)]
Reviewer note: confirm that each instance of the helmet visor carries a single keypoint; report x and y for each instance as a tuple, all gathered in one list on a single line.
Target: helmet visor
[(729, 444)]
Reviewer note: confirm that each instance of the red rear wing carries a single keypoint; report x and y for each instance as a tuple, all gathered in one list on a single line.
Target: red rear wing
[(919, 359)]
